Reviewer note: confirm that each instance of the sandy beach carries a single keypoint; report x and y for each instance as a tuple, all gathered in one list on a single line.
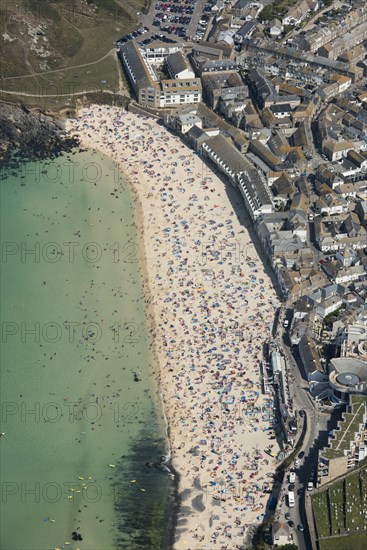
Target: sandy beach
[(211, 307)]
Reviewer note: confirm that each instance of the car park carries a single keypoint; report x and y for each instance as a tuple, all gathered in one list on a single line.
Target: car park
[(174, 17)]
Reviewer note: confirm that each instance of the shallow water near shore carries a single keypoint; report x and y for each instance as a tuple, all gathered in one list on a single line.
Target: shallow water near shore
[(84, 432)]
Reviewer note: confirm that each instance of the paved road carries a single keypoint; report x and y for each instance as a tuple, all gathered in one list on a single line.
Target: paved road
[(147, 20), (317, 422), (196, 16)]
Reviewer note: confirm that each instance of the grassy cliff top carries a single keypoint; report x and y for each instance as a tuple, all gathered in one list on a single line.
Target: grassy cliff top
[(62, 47)]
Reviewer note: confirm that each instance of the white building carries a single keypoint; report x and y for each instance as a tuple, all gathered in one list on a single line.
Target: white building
[(336, 150), (275, 27), (329, 306), (184, 123), (296, 14), (150, 90), (157, 52)]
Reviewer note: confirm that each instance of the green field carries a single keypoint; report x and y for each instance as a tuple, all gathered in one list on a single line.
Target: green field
[(276, 9), (47, 46), (320, 507), (355, 542), (341, 509)]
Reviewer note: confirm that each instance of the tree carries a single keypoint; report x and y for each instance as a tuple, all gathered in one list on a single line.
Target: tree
[(267, 13)]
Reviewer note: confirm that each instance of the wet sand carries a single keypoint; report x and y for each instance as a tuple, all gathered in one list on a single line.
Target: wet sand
[(210, 307)]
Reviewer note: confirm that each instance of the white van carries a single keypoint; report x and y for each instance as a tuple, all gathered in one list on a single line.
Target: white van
[(291, 499)]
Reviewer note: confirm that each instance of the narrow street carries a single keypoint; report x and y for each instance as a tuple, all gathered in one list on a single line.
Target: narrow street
[(317, 431)]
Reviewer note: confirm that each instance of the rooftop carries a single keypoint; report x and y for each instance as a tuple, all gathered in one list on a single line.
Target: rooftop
[(228, 153), (132, 56), (344, 436), (177, 62)]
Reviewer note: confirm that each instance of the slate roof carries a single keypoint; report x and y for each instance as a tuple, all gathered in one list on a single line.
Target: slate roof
[(177, 62), (138, 66)]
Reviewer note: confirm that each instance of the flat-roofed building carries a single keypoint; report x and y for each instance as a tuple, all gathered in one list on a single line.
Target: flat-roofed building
[(347, 375), (157, 52), (347, 444), (180, 92), (183, 123)]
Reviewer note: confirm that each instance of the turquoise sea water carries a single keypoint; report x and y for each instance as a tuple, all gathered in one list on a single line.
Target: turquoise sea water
[(82, 421)]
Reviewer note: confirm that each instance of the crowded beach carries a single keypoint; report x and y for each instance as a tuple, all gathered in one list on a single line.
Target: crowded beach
[(210, 308)]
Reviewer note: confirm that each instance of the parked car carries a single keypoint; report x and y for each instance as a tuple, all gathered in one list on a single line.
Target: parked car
[(301, 454), (301, 528)]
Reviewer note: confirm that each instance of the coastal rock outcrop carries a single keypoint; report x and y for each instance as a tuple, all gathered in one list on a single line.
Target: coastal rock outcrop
[(28, 135)]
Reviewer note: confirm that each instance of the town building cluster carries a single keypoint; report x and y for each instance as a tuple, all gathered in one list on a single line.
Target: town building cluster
[(278, 105)]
